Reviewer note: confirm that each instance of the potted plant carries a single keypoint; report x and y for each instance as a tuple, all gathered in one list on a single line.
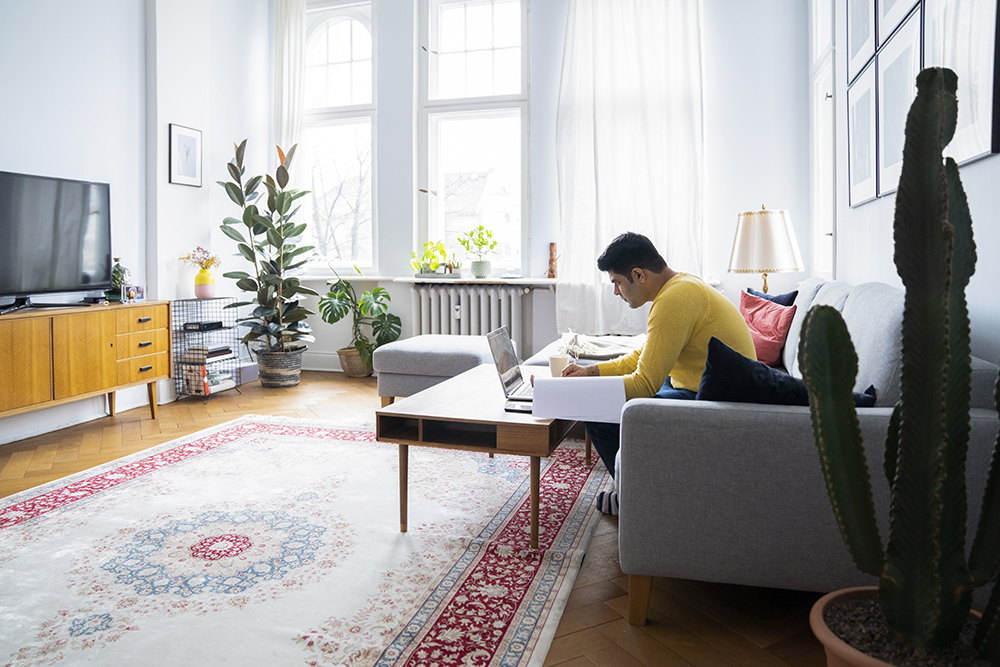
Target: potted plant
[(925, 578), (434, 257), (370, 313), (268, 239), (479, 242)]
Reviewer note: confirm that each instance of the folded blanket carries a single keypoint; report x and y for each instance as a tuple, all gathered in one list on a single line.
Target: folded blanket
[(582, 346)]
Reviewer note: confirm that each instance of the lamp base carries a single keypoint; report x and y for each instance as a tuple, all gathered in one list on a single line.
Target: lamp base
[(765, 283)]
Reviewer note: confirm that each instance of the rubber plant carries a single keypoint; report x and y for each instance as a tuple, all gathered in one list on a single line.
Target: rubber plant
[(925, 578), (370, 311), (269, 239)]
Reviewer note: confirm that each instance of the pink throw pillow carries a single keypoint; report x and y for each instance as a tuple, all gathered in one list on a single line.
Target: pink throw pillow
[(769, 323)]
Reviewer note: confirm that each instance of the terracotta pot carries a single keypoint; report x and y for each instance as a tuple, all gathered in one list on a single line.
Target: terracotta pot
[(838, 652)]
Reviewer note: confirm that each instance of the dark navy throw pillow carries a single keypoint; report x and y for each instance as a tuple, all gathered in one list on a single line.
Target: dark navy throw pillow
[(729, 376), (786, 299)]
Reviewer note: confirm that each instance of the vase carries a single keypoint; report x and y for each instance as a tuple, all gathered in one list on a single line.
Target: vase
[(204, 285), (280, 369), (480, 268), (838, 652)]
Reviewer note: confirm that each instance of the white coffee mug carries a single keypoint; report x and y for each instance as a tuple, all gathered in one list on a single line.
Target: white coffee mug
[(557, 362)]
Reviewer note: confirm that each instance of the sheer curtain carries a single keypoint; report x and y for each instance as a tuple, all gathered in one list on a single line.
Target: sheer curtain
[(629, 148), (289, 70)]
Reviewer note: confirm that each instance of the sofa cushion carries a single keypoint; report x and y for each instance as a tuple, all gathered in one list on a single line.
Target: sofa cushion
[(729, 376), (874, 317), (833, 294), (786, 299), (768, 322), (807, 292)]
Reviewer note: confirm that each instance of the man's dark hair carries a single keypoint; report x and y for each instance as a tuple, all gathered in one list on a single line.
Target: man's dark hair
[(631, 251)]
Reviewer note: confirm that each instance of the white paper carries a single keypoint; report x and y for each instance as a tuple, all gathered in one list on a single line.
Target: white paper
[(592, 399)]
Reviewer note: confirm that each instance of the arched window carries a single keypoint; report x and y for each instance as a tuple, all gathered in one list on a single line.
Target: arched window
[(338, 134)]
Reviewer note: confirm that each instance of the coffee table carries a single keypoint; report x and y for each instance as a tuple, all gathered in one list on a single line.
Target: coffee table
[(466, 412)]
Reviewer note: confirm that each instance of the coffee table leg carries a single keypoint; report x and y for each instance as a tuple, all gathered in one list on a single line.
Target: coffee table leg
[(586, 439), (404, 456), (535, 464)]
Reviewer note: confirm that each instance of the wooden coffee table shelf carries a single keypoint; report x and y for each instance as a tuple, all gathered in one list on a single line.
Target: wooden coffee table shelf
[(466, 413)]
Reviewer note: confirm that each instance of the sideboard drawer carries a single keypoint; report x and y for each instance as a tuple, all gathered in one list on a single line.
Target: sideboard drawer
[(144, 318), (143, 369), (142, 343)]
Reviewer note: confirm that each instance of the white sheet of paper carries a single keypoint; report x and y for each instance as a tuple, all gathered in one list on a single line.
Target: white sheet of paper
[(592, 399)]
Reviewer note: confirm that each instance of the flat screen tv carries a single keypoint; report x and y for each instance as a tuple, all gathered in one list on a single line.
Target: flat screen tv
[(55, 236)]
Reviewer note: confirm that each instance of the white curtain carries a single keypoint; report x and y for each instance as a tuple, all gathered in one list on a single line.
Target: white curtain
[(629, 147), (289, 70)]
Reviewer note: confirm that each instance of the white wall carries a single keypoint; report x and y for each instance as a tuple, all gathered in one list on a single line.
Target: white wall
[(96, 85), (756, 96), (864, 234)]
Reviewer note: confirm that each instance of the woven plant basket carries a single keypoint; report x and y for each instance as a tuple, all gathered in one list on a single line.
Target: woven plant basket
[(350, 361), (280, 369)]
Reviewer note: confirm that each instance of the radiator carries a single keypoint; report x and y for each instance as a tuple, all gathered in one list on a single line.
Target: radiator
[(467, 310)]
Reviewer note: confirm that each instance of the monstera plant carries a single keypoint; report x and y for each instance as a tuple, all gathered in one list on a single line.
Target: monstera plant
[(925, 578)]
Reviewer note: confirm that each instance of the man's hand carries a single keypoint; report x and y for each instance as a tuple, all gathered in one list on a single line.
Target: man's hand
[(574, 371)]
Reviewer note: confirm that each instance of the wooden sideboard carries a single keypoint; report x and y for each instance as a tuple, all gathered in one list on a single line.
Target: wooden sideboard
[(50, 356)]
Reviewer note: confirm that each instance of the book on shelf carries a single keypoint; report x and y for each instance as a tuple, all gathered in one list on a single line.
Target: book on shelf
[(222, 386), (200, 382), (194, 356)]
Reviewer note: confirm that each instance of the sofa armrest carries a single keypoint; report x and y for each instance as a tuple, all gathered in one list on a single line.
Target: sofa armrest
[(733, 492)]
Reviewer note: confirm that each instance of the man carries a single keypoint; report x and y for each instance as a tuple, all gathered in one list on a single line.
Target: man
[(685, 313)]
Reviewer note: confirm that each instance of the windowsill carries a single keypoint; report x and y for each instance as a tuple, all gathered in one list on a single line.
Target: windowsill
[(465, 280)]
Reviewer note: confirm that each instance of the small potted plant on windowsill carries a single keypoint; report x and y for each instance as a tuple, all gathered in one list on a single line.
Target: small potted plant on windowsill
[(479, 242), (370, 311), (434, 258)]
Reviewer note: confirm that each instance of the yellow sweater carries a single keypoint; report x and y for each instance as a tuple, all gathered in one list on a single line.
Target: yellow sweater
[(685, 314)]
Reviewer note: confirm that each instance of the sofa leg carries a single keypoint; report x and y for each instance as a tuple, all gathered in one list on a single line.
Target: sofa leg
[(387, 400), (639, 586)]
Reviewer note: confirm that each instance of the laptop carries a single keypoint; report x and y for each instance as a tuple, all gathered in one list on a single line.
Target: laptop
[(514, 386)]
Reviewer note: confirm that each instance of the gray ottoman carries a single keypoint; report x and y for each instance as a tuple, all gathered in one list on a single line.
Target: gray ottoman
[(408, 366)]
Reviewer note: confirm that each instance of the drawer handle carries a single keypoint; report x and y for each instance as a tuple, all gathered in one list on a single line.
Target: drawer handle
[(146, 343), (143, 320), (143, 369)]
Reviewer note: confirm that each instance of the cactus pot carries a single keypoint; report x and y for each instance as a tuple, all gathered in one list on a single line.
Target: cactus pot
[(838, 652), (480, 268), (280, 369)]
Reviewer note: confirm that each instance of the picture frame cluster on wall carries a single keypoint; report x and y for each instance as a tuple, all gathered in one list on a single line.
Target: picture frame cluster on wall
[(888, 43)]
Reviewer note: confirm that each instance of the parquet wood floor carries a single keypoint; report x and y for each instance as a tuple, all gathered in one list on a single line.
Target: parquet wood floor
[(691, 624)]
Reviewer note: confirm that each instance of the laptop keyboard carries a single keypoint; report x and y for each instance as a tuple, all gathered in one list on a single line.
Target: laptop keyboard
[(525, 390)]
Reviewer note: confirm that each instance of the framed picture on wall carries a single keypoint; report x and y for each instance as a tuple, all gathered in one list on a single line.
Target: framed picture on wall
[(962, 36), (897, 66), (890, 14), (861, 137), (185, 155), (860, 35)]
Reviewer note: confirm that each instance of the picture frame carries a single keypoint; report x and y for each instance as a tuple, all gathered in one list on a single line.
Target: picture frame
[(860, 36), (897, 66), (862, 175), (891, 14), (185, 155), (963, 37), (133, 293)]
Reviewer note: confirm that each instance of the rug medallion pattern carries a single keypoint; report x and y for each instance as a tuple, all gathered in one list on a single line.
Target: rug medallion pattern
[(279, 538)]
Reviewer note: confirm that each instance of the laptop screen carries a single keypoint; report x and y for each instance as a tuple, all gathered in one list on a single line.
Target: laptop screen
[(503, 355)]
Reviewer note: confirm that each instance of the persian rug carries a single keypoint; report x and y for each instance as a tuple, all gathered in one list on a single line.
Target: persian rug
[(269, 541)]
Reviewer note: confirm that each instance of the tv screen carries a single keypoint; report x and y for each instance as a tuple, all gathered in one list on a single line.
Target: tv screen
[(55, 235)]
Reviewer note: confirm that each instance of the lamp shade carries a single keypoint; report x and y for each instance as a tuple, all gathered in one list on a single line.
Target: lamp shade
[(765, 243)]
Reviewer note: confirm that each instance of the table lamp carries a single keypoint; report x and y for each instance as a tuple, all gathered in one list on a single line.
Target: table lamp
[(765, 243)]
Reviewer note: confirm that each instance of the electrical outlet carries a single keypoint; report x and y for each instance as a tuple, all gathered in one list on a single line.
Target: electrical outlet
[(456, 312)]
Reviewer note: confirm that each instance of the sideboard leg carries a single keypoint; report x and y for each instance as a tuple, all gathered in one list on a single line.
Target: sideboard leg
[(151, 392)]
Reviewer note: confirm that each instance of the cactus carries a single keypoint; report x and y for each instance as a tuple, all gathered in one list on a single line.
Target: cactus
[(925, 579)]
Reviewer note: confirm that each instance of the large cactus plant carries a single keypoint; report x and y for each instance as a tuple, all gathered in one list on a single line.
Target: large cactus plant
[(925, 579)]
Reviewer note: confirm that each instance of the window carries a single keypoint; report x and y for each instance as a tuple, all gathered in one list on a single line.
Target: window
[(473, 143), (337, 147)]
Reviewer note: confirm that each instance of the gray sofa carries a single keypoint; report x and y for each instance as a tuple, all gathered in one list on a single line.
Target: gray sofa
[(732, 492)]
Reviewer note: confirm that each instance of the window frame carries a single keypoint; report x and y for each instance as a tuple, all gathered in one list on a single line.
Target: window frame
[(318, 117), (426, 107)]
